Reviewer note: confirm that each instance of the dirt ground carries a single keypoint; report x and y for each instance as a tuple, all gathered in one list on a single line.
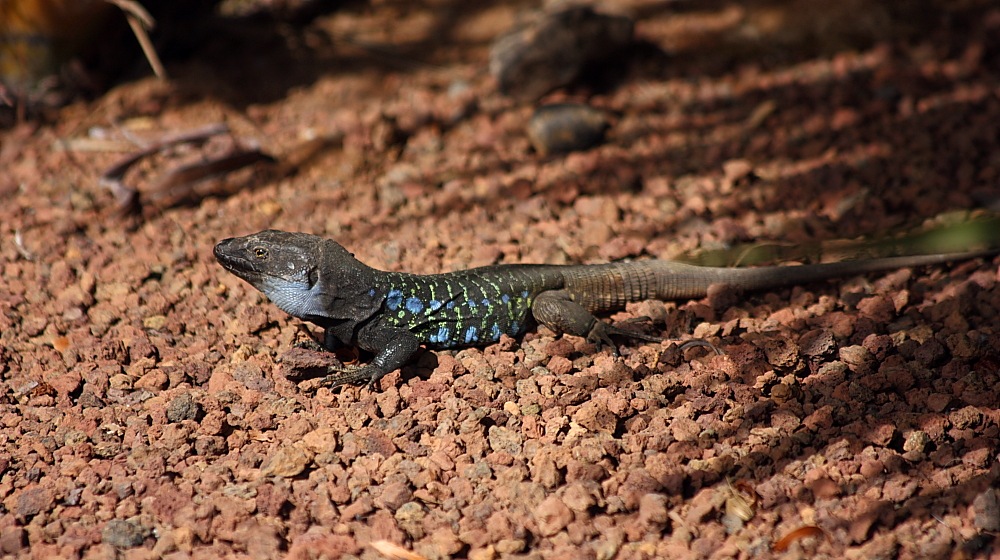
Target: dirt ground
[(147, 405)]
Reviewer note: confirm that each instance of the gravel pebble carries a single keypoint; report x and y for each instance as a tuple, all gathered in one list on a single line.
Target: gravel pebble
[(552, 516), (183, 407), (122, 533), (552, 50)]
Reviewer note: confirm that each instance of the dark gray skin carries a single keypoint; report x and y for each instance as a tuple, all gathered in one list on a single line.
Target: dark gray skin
[(392, 314)]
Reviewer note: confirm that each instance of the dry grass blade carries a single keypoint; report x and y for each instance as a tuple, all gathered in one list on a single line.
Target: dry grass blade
[(140, 20)]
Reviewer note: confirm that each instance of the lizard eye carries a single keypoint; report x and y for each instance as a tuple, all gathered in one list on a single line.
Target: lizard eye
[(260, 252)]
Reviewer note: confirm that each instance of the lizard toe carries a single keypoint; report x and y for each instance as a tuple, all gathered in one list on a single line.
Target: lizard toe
[(700, 342), (600, 337)]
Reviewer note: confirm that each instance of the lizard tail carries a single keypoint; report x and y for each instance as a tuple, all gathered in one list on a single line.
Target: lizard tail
[(763, 278), (610, 286)]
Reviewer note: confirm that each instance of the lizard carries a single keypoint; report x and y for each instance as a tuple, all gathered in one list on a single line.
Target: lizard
[(391, 314)]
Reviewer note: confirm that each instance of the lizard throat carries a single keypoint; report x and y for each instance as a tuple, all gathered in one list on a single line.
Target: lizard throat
[(295, 298)]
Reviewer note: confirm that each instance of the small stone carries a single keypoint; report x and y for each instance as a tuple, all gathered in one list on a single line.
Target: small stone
[(879, 307), (987, 511), (287, 462), (553, 50), (858, 359), (154, 322), (822, 486), (938, 402), (443, 544), (653, 510), (581, 496), (183, 407), (817, 343), (566, 127), (393, 496), (32, 501), (596, 417), (487, 553), (321, 441), (552, 516), (505, 439), (871, 469), (931, 354), (210, 445), (916, 442), (155, 380), (736, 170), (13, 539), (510, 546), (410, 517), (123, 534), (722, 296), (560, 365)]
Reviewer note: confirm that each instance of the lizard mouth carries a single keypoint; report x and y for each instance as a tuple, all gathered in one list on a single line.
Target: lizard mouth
[(228, 255)]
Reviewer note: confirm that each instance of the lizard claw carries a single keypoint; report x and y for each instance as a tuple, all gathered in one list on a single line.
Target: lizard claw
[(353, 375), (600, 337), (343, 375)]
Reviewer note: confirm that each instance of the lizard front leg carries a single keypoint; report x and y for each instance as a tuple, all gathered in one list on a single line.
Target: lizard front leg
[(393, 347)]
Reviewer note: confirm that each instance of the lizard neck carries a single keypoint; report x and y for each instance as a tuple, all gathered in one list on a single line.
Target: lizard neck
[(346, 292)]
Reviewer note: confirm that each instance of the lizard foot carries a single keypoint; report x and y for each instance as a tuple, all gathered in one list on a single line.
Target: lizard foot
[(353, 375), (347, 375), (600, 334), (633, 333), (613, 329)]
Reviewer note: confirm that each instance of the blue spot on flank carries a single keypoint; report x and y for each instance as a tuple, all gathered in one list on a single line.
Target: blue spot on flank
[(515, 329), (451, 304), (441, 336), (471, 335), (434, 305), (486, 302), (371, 292), (472, 303), (414, 305), (525, 294), (495, 332), (505, 299), (393, 299)]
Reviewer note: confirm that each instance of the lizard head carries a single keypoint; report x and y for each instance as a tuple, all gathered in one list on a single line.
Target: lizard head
[(284, 266)]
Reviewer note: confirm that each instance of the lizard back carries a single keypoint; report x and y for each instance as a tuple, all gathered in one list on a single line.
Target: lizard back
[(467, 307)]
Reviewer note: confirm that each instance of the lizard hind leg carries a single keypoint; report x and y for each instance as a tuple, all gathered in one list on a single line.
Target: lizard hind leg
[(556, 310)]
